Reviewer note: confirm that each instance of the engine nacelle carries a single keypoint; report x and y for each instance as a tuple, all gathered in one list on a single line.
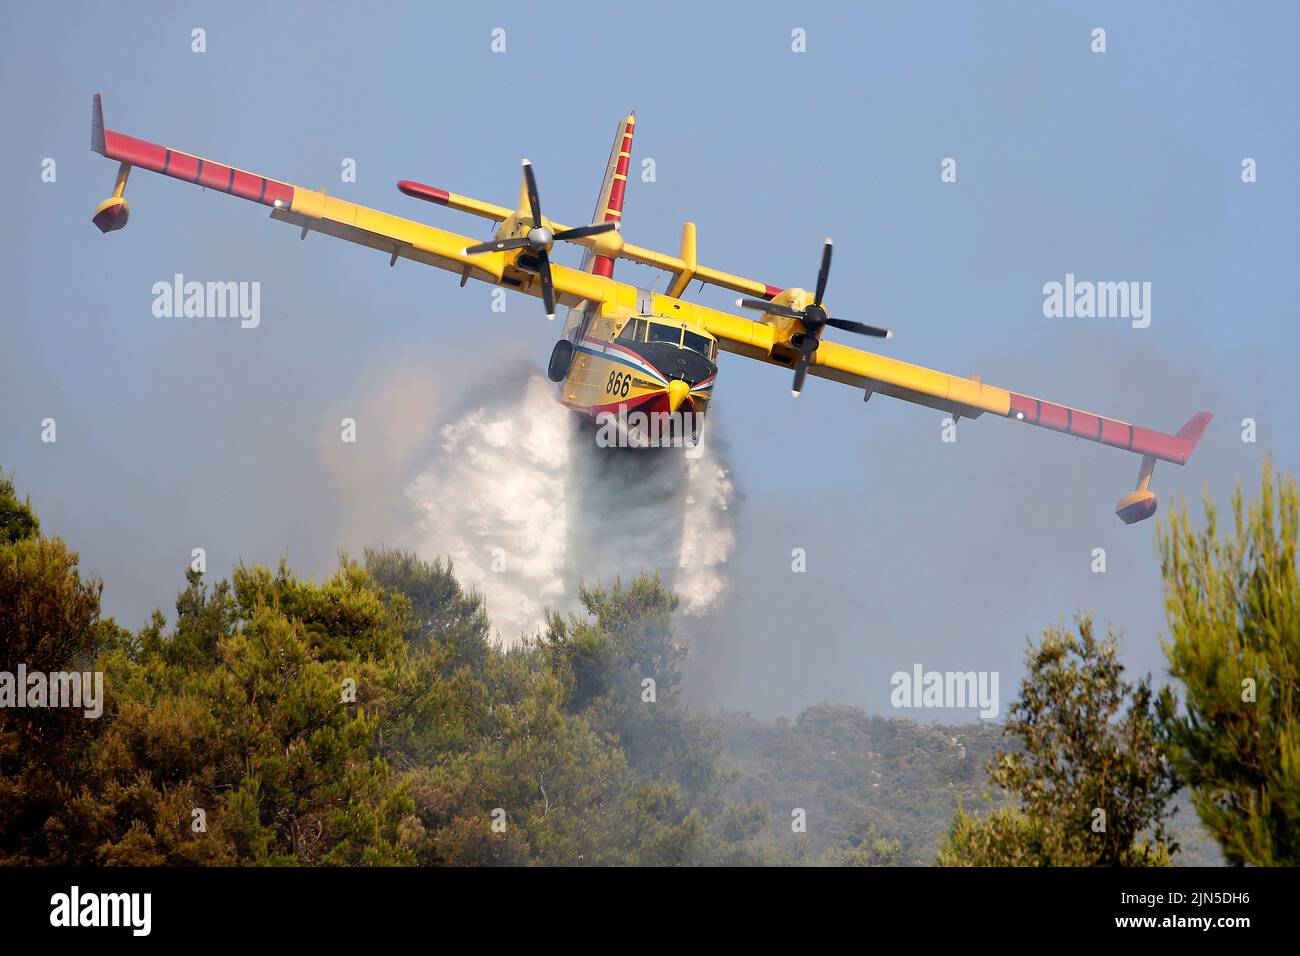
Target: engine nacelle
[(784, 326)]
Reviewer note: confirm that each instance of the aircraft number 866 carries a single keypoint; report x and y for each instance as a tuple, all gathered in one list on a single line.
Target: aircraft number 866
[(619, 383)]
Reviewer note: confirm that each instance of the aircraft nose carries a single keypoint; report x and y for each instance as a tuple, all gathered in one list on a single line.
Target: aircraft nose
[(677, 392)]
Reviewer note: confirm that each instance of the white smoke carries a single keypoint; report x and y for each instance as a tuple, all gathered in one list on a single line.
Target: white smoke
[(526, 505)]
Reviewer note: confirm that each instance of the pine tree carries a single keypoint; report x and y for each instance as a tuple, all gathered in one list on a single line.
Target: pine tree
[(17, 519), (1233, 604), (439, 609), (49, 622)]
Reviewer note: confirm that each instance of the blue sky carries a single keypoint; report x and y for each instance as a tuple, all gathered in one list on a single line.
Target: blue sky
[(1116, 166)]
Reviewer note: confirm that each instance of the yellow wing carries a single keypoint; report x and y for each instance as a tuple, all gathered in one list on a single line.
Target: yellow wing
[(314, 211), (873, 373)]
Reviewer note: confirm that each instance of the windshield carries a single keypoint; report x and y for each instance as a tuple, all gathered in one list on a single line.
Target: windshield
[(699, 343), (633, 331), (669, 334)]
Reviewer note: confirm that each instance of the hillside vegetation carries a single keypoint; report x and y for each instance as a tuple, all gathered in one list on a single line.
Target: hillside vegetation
[(369, 720)]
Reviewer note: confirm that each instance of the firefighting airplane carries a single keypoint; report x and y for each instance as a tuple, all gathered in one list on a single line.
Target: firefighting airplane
[(626, 349)]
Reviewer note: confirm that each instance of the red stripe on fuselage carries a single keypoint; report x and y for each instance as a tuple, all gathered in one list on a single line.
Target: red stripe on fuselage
[(650, 404)]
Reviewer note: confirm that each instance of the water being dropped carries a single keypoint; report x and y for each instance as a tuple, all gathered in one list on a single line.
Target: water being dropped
[(523, 501)]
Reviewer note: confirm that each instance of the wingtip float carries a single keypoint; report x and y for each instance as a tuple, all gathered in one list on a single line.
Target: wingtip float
[(626, 349)]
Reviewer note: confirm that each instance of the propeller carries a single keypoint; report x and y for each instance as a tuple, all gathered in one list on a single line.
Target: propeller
[(540, 239), (814, 319)]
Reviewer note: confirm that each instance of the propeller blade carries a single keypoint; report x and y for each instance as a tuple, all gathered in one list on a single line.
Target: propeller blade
[(823, 273), (800, 372), (548, 289), (533, 200), (581, 232), (497, 245), (860, 328), (762, 305), (806, 350)]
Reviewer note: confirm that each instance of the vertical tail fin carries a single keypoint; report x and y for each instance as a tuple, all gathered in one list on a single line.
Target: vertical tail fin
[(1191, 432), (609, 208), (97, 124), (613, 189)]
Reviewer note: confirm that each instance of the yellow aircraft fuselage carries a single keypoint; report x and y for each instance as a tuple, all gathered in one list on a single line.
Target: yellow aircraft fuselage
[(649, 374)]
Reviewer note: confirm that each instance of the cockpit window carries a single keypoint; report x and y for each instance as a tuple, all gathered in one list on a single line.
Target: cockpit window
[(699, 343), (669, 334), (633, 331)]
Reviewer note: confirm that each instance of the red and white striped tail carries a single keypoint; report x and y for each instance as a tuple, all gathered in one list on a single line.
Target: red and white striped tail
[(613, 190)]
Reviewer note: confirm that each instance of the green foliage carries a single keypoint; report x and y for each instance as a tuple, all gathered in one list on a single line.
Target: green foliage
[(1004, 836), (860, 778), (239, 713), (17, 520), (365, 720), (605, 663), (370, 720), (872, 851), (586, 770), (1233, 604), (49, 622), (439, 610), (1091, 785)]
